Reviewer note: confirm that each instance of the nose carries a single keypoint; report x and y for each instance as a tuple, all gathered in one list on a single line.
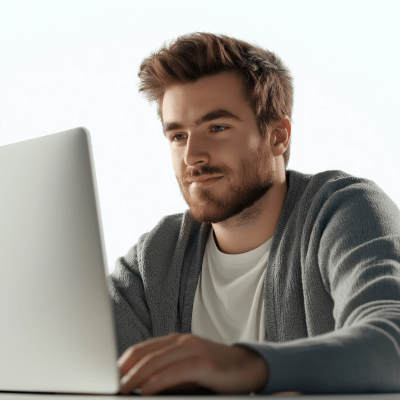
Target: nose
[(197, 150)]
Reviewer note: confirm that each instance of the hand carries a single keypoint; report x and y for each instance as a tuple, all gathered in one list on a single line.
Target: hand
[(184, 360)]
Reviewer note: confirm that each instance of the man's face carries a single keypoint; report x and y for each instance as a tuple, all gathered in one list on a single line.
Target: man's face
[(227, 148)]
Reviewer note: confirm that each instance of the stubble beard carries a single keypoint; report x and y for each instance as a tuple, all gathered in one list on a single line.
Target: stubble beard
[(242, 200)]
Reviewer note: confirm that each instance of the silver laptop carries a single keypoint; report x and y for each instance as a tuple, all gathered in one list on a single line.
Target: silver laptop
[(57, 331)]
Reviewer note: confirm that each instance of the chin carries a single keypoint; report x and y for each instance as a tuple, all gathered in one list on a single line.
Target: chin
[(205, 217)]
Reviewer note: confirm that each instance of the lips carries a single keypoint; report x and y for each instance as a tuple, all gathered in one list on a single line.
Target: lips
[(205, 182), (203, 178)]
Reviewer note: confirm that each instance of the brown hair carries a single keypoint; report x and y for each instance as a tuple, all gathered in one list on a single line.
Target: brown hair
[(268, 88)]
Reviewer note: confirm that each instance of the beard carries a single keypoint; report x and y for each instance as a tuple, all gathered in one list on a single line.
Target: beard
[(242, 198)]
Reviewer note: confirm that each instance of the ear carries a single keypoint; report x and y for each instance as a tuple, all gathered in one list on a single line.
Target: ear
[(280, 136)]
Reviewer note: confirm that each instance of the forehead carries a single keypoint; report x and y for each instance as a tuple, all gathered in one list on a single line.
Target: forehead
[(190, 100)]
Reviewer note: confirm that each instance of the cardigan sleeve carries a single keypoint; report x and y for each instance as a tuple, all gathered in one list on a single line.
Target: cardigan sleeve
[(131, 313), (355, 239)]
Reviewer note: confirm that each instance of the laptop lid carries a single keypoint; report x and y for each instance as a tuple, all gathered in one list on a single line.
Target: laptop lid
[(57, 327)]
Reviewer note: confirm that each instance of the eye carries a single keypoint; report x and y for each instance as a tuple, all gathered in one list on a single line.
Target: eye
[(219, 126), (173, 138)]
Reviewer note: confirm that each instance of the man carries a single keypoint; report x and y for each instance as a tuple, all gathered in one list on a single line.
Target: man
[(272, 280)]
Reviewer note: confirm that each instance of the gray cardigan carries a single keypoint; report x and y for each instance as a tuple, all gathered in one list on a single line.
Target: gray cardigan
[(331, 293)]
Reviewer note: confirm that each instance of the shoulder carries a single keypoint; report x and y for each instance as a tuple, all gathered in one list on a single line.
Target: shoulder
[(332, 180), (169, 231), (337, 196), (326, 185), (158, 243)]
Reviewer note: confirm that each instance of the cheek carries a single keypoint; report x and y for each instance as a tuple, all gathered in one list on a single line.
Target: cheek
[(176, 162), (253, 143), (232, 155)]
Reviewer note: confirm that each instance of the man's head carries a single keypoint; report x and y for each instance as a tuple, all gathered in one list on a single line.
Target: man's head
[(244, 147), (267, 83)]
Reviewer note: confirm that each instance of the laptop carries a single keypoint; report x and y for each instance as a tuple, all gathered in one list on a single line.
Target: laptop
[(57, 330)]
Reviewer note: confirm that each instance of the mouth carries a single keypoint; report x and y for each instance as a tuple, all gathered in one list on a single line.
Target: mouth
[(206, 182)]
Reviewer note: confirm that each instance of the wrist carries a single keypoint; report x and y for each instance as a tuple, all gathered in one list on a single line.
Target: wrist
[(257, 367)]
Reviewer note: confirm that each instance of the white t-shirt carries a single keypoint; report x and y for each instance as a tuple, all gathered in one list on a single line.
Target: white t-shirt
[(228, 304)]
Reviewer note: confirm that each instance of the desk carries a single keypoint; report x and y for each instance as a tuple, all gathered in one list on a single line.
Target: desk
[(373, 396)]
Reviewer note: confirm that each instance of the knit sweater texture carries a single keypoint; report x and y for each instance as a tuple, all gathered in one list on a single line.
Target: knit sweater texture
[(331, 292)]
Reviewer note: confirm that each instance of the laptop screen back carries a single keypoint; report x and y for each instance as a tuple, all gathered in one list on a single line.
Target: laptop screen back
[(57, 330)]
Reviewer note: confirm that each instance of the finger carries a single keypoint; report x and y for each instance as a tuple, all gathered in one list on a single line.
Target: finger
[(189, 373), (135, 353), (149, 343), (213, 366), (153, 363), (195, 372)]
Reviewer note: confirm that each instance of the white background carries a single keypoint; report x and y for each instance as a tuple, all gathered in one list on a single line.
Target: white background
[(65, 64)]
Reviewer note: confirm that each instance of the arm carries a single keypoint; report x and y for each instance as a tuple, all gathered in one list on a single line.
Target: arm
[(355, 242), (131, 313)]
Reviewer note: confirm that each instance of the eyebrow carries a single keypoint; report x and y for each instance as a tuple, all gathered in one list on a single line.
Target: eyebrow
[(215, 114)]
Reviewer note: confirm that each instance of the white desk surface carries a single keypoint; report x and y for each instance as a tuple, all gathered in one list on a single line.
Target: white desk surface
[(35, 396)]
